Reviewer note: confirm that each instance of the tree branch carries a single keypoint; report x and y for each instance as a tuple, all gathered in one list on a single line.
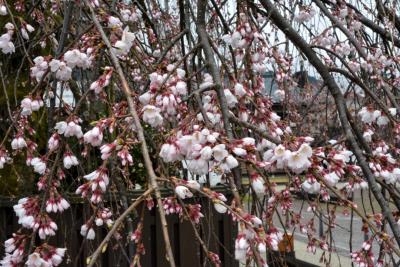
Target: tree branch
[(96, 254), (145, 152)]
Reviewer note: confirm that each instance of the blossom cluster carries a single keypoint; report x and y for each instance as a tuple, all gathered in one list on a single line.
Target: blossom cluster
[(164, 99), (305, 14), (202, 152), (62, 68)]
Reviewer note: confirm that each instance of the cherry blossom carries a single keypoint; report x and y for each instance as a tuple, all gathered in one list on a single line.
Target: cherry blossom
[(40, 68), (241, 248), (123, 46), (94, 136), (305, 14), (169, 152), (70, 160), (183, 192), (87, 232), (3, 10), (6, 45), (38, 165), (63, 72), (29, 105), (18, 143), (75, 58), (152, 116), (103, 81), (257, 184), (69, 129), (4, 158)]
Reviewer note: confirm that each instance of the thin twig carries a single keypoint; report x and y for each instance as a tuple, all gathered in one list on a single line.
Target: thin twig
[(95, 255)]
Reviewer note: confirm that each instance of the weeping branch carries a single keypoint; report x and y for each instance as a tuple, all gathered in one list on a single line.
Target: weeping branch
[(139, 129)]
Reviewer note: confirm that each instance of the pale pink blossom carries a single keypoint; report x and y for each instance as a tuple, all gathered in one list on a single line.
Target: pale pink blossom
[(75, 58), (298, 162), (18, 143), (219, 152), (145, 98), (6, 45), (230, 98), (87, 232), (206, 153), (70, 160), (170, 153), (106, 150), (239, 90), (54, 141), (38, 165), (183, 192), (193, 184), (257, 184), (69, 129), (125, 156), (152, 116), (94, 136), (231, 162), (311, 187), (241, 248), (123, 46), (35, 260), (239, 151), (114, 22), (40, 68), (331, 178), (181, 88), (3, 10), (198, 166)]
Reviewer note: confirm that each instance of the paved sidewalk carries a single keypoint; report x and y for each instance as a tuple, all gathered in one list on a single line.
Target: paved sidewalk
[(300, 248), (337, 260)]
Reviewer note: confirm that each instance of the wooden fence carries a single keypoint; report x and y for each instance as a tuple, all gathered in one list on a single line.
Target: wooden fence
[(217, 231)]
